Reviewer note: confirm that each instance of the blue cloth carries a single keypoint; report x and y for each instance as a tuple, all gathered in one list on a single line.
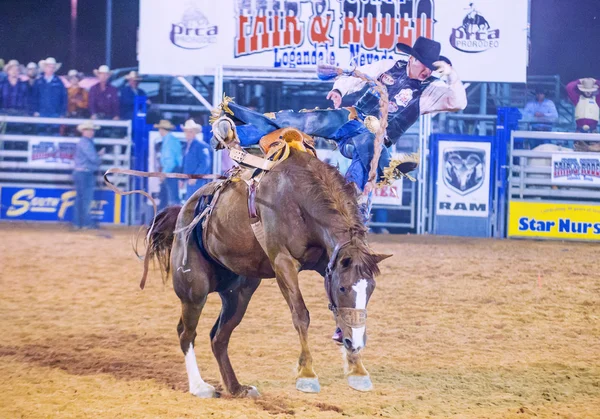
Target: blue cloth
[(197, 161), (15, 97), (84, 188), (49, 98), (86, 156), (171, 154), (127, 101), (172, 187)]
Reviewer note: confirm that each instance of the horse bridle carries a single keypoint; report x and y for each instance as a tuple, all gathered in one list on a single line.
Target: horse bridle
[(351, 317)]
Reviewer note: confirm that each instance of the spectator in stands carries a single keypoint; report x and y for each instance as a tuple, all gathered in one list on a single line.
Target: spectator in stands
[(584, 95), (171, 159), (50, 94), (13, 91), (87, 163), (104, 97), (2, 73), (78, 97), (197, 159), (128, 93), (32, 73), (541, 112)]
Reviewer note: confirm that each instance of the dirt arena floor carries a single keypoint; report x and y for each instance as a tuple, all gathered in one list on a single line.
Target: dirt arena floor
[(457, 328)]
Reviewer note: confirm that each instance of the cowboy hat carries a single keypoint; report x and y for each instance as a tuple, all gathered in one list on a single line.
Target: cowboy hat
[(72, 73), (588, 85), (425, 50), (133, 75), (50, 60), (32, 66), (165, 124), (87, 125), (103, 69), (11, 63), (190, 124)]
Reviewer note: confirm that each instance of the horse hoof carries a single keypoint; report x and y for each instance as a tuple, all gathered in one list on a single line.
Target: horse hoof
[(252, 392), (204, 392), (360, 382), (308, 385)]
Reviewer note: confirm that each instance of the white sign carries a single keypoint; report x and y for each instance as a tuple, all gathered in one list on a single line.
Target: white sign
[(486, 40), (576, 169), (194, 37), (463, 179), (51, 153)]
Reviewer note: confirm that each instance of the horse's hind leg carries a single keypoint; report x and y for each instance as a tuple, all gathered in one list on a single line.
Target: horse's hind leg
[(190, 314), (235, 301)]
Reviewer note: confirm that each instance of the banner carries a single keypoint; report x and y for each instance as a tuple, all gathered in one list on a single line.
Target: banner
[(52, 153), (576, 169), (193, 37), (551, 220), (486, 40), (56, 204), (463, 178)]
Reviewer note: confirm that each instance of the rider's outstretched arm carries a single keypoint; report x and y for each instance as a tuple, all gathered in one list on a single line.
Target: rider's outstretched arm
[(439, 96)]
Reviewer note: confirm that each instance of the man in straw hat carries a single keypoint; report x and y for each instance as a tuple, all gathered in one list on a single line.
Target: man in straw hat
[(14, 92), (50, 94), (78, 96), (87, 163), (128, 93), (414, 87), (104, 97), (171, 159), (197, 159), (584, 95)]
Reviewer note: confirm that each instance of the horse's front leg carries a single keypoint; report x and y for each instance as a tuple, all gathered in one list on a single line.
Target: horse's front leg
[(357, 374), (286, 271)]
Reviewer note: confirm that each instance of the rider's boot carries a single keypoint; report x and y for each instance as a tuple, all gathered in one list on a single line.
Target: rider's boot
[(224, 134)]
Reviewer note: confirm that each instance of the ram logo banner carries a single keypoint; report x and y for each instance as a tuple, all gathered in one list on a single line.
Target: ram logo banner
[(576, 169), (56, 204), (194, 30), (475, 33), (463, 178), (464, 169), (554, 220)]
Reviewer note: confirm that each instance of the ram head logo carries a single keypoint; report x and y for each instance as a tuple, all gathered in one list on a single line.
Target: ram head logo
[(464, 169)]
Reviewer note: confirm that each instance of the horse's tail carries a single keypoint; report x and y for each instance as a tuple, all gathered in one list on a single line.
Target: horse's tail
[(159, 241)]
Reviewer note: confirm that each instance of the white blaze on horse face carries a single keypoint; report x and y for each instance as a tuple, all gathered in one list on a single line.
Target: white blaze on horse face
[(198, 387), (358, 333)]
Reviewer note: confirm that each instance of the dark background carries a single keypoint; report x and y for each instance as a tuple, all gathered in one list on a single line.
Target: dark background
[(565, 34)]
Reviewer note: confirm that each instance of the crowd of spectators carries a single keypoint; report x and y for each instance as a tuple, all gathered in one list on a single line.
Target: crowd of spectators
[(36, 90)]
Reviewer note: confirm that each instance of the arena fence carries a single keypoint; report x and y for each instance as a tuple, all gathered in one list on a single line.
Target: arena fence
[(36, 163)]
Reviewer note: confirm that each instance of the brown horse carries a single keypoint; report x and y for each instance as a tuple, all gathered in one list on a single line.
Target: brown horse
[(311, 221)]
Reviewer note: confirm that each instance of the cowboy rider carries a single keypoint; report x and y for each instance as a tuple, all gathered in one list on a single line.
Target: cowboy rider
[(413, 91)]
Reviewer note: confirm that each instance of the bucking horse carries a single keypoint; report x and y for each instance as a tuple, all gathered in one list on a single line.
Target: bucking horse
[(272, 217)]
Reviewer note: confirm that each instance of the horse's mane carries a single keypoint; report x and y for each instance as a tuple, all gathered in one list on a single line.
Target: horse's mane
[(330, 195)]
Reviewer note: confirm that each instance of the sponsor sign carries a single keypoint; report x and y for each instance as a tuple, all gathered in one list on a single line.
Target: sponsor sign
[(192, 37), (554, 220), (486, 39), (56, 204), (51, 152), (576, 169), (463, 178)]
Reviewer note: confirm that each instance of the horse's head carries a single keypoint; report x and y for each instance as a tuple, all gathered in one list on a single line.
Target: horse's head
[(350, 281)]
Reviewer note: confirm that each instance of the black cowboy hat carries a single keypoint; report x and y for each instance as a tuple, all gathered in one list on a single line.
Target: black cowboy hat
[(425, 50)]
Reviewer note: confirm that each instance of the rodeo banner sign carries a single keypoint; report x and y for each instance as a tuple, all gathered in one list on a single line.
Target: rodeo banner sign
[(576, 169), (486, 40), (554, 220), (56, 204), (463, 179)]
